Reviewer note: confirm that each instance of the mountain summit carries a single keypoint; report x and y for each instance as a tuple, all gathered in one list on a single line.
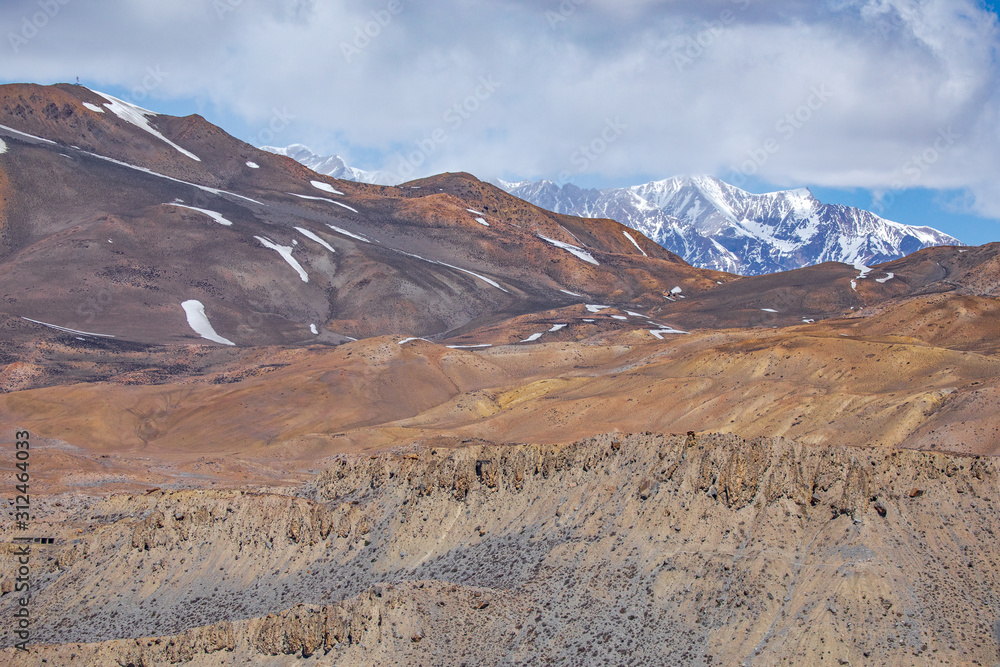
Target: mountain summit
[(713, 224), (333, 165)]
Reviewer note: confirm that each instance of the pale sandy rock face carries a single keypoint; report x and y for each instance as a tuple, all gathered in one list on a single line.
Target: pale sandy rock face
[(635, 549)]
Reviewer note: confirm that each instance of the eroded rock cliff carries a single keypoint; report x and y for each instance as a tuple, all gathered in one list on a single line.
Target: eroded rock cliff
[(638, 549)]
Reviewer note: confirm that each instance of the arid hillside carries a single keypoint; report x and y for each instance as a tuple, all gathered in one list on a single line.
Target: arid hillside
[(634, 550), (110, 228), (276, 417)]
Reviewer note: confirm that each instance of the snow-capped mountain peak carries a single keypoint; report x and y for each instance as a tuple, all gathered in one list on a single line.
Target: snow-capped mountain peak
[(332, 165), (713, 224)]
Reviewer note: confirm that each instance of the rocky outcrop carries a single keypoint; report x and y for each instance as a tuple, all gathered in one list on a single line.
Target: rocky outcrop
[(731, 470), (637, 549), (386, 624)]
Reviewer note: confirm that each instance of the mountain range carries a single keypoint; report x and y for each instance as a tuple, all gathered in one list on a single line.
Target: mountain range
[(277, 417), (710, 223)]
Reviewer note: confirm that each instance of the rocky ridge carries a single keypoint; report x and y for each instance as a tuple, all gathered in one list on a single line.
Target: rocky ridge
[(639, 549), (713, 224)]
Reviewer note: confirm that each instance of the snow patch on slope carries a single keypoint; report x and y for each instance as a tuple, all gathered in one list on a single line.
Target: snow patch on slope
[(344, 205), (214, 191), (286, 253), (326, 199), (347, 233), (486, 280), (309, 235), (325, 187), (629, 237), (472, 273), (198, 321), (659, 333), (579, 252), (137, 116), (25, 134), (212, 214), (74, 331)]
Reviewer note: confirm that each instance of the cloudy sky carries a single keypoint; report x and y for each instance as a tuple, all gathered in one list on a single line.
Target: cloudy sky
[(887, 104)]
